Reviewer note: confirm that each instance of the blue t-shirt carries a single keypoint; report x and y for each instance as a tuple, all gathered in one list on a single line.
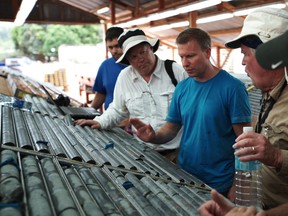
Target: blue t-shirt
[(207, 111), (106, 79)]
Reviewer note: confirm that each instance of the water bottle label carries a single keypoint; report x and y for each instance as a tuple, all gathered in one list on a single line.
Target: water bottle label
[(250, 165)]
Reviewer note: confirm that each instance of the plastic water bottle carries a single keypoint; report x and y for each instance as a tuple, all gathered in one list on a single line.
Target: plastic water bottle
[(248, 181)]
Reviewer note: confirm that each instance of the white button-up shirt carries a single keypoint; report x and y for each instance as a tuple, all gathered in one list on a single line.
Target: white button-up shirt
[(147, 101)]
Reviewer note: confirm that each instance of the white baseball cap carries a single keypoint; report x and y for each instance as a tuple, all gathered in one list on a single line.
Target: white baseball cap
[(262, 24)]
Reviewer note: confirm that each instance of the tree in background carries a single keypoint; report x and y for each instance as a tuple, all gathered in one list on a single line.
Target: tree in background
[(41, 42), (29, 39), (7, 45)]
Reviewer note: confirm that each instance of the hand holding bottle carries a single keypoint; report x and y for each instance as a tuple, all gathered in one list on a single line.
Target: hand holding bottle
[(253, 146), (248, 179)]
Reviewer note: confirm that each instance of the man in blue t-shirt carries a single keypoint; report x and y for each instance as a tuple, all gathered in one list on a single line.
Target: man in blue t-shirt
[(108, 71), (212, 107)]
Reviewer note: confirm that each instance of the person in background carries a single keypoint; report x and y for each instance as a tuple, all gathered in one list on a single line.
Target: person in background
[(108, 71), (143, 89), (268, 66), (212, 106)]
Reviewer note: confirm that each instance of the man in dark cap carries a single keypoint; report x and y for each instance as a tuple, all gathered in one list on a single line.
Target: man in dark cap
[(269, 144), (143, 89), (267, 68)]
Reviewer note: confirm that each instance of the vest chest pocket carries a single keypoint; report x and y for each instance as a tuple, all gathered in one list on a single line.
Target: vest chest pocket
[(276, 136), (135, 105), (145, 104), (165, 100)]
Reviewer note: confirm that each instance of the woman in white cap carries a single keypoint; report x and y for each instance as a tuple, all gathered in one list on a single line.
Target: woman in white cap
[(143, 89)]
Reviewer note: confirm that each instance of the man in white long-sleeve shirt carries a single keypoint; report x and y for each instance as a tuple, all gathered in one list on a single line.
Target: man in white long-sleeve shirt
[(143, 90)]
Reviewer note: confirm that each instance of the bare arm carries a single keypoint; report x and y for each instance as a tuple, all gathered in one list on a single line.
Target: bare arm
[(166, 133), (238, 128), (98, 100), (254, 146), (146, 133)]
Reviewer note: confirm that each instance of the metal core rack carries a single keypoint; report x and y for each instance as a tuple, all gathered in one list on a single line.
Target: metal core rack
[(51, 167)]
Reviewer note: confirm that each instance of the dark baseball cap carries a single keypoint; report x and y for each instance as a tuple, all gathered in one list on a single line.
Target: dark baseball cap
[(274, 53)]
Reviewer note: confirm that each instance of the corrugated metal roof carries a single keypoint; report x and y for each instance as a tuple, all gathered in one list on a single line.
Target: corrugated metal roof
[(85, 11)]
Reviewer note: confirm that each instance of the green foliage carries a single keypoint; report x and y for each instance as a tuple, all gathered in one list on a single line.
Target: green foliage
[(39, 41), (29, 39), (7, 45)]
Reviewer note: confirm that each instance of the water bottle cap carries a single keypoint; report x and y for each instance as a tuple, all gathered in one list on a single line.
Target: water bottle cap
[(247, 129)]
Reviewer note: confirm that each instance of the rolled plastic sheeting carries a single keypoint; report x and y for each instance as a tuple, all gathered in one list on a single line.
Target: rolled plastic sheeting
[(156, 196), (90, 207), (114, 193), (8, 136), (23, 138), (54, 145), (136, 197), (178, 198), (62, 200), (38, 200), (12, 211), (61, 139), (101, 197), (71, 141), (40, 143), (11, 188)]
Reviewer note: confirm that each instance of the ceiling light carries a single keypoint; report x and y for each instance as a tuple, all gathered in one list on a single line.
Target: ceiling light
[(134, 22), (198, 6), (159, 28), (162, 15), (214, 18), (245, 12), (188, 8), (102, 10), (169, 26), (24, 11), (179, 24)]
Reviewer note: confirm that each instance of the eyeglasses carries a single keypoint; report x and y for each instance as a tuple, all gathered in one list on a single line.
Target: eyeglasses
[(134, 56)]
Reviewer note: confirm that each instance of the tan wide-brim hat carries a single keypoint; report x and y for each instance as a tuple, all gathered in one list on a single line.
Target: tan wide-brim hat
[(131, 38)]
